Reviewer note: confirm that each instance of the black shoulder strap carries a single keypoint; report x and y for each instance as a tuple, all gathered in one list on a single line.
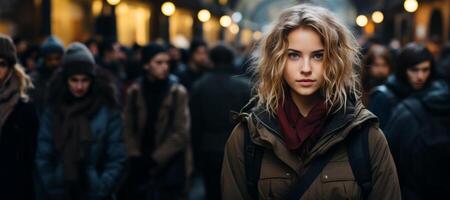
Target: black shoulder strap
[(253, 158), (311, 173), (359, 158)]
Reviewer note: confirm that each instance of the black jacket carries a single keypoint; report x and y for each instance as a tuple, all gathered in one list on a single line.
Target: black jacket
[(419, 138), (384, 98), (17, 149), (212, 98)]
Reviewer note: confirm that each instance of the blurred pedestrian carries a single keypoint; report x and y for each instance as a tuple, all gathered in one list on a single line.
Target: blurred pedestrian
[(157, 121), (419, 138), (414, 73), (303, 139), (176, 63), (80, 152), (213, 97), (197, 65), (376, 67), (18, 126), (51, 52)]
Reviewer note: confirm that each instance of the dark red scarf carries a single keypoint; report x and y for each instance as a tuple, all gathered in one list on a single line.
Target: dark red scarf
[(296, 128)]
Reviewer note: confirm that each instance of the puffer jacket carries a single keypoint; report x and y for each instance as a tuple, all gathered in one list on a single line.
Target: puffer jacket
[(281, 167), (104, 162)]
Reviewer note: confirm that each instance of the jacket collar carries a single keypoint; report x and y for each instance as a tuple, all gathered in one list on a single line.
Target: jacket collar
[(335, 122)]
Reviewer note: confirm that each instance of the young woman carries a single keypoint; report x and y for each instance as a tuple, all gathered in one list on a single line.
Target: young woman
[(377, 65), (80, 152), (308, 109), (18, 126), (414, 74), (157, 124)]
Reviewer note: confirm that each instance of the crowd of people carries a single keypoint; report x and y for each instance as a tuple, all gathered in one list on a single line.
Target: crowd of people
[(320, 117)]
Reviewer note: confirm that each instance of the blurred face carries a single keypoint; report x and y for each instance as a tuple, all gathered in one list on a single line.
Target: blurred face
[(379, 68), (79, 84), (174, 54), (53, 60), (304, 66), (4, 69), (200, 56), (419, 74), (158, 66)]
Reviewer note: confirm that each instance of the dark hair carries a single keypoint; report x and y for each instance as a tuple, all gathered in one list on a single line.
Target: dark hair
[(411, 55), (106, 45), (222, 55), (195, 44), (150, 51), (101, 87), (369, 59)]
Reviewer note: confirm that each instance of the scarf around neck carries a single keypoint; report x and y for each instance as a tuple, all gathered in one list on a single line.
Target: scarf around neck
[(296, 128), (72, 134)]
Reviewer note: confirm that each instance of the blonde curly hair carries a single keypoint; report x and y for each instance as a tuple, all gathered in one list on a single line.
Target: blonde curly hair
[(341, 56)]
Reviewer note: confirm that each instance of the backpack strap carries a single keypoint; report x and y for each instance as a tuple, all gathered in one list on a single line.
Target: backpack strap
[(311, 174), (253, 157), (359, 159)]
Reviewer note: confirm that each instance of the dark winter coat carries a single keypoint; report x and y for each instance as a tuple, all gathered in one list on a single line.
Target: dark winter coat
[(41, 77), (384, 98), (104, 161), (216, 94), (171, 142), (419, 138), (17, 150)]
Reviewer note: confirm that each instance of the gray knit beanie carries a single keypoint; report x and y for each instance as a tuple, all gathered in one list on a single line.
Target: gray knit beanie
[(78, 60)]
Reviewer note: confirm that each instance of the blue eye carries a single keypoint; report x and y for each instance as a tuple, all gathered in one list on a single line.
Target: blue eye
[(318, 56), (293, 56)]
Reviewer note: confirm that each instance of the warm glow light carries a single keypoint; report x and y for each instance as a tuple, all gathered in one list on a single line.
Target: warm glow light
[(257, 35), (113, 2), (97, 7), (122, 9), (234, 28), (223, 2), (361, 20), (411, 5), (168, 8), (377, 17), (237, 17), (225, 21), (204, 15)]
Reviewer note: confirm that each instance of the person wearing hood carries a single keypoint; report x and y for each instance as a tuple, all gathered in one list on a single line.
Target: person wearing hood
[(414, 74), (18, 126), (80, 150), (51, 52), (419, 138), (309, 120), (157, 122)]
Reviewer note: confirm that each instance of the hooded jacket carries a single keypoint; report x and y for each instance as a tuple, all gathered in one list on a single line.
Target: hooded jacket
[(384, 98), (281, 168), (422, 148)]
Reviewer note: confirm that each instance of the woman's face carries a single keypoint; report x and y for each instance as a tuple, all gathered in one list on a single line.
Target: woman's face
[(419, 74), (158, 66), (304, 66), (379, 68), (4, 69), (79, 84)]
